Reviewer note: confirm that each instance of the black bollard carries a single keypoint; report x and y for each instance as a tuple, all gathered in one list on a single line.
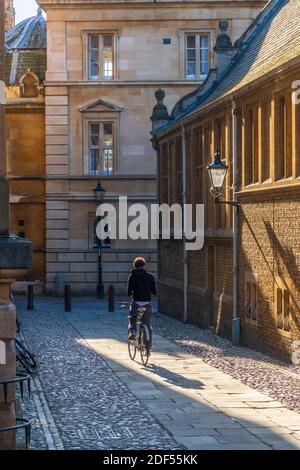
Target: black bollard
[(68, 298), (111, 299), (30, 298)]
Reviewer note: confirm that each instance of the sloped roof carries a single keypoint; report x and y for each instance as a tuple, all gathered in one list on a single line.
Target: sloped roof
[(17, 63), (29, 34), (26, 49), (271, 41)]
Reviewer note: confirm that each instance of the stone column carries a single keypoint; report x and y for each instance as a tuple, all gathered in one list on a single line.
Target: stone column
[(15, 259), (7, 369)]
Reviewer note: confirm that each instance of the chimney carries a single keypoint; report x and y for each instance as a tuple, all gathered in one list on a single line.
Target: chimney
[(10, 15), (224, 49)]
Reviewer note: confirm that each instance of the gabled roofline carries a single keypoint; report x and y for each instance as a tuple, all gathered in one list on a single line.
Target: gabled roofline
[(230, 97), (107, 103)]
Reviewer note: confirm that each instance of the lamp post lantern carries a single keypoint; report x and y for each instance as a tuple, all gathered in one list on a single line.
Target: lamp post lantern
[(217, 171), (99, 194)]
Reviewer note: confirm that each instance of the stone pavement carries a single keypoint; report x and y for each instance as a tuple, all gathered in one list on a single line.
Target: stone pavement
[(92, 396)]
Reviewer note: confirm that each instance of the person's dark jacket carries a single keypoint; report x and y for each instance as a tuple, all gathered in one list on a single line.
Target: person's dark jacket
[(141, 285)]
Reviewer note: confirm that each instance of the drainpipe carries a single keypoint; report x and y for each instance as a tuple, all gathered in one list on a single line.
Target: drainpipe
[(235, 267), (185, 254)]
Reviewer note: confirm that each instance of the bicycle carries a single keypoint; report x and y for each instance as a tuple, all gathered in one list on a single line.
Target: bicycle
[(25, 357), (142, 342)]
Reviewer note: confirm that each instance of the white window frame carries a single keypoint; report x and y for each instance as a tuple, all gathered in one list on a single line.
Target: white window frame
[(100, 118), (86, 54), (198, 75), (182, 34), (101, 147)]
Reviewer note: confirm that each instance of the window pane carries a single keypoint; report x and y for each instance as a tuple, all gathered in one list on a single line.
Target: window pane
[(93, 57), (286, 311), (204, 56), (94, 161), (94, 140), (94, 42), (94, 71), (107, 63), (94, 135), (191, 41), (191, 54), (108, 135), (107, 40), (107, 161), (279, 308), (191, 70), (204, 42), (204, 68), (94, 128)]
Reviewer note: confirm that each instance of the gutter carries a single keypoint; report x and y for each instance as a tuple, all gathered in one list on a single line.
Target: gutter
[(185, 253), (235, 233)]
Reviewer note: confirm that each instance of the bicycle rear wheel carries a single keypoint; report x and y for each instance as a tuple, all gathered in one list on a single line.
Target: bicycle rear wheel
[(145, 345), (132, 348)]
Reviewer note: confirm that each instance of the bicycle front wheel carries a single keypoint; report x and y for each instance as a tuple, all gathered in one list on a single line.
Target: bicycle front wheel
[(132, 348), (145, 345)]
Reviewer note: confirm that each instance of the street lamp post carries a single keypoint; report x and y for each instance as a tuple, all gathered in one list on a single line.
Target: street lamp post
[(217, 171), (99, 194)]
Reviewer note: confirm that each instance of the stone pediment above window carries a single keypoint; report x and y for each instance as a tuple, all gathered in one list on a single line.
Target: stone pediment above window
[(100, 106)]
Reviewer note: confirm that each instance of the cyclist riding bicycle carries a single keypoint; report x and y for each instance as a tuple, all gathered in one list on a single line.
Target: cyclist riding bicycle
[(141, 286)]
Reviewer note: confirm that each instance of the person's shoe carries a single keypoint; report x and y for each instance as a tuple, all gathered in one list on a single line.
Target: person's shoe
[(131, 336)]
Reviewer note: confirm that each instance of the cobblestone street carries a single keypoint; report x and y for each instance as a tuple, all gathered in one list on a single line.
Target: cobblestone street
[(198, 391)]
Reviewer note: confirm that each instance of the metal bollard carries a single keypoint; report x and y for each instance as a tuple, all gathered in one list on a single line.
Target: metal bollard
[(68, 298), (30, 298), (111, 299)]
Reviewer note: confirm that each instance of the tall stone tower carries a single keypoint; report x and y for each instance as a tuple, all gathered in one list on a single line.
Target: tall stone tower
[(9, 14)]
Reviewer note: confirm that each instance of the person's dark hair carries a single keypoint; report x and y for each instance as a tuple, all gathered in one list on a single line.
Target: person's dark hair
[(139, 262)]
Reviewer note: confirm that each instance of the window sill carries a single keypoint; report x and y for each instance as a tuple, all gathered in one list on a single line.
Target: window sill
[(118, 82), (286, 334)]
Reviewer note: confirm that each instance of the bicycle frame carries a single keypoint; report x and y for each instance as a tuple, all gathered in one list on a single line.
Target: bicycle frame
[(141, 325), (142, 341)]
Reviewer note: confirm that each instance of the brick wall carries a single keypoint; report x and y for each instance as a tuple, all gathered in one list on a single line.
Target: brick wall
[(171, 278), (270, 249), (209, 284)]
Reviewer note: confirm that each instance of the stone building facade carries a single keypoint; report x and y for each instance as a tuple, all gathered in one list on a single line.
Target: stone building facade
[(25, 68), (248, 110), (105, 60)]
